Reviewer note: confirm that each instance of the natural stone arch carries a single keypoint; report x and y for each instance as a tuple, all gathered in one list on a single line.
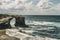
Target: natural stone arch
[(5, 21)]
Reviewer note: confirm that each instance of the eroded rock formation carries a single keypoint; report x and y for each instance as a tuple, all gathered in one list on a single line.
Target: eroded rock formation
[(20, 21), (5, 21)]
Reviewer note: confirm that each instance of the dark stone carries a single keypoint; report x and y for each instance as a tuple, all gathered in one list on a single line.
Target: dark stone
[(5, 25), (20, 21)]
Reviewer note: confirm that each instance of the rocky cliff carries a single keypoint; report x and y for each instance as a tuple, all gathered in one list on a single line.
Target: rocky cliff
[(5, 21)]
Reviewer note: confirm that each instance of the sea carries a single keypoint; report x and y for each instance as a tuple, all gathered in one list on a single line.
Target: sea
[(43, 25)]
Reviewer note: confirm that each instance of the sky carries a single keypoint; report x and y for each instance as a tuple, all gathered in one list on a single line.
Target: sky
[(30, 7)]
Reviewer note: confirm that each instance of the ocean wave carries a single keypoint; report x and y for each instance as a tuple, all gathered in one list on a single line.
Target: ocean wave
[(42, 23)]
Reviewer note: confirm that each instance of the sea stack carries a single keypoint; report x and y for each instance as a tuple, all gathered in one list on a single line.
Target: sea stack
[(20, 21)]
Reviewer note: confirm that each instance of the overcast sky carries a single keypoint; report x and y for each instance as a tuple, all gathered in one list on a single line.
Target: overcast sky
[(30, 7)]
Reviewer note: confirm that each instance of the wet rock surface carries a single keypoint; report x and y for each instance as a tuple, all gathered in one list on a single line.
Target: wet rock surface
[(6, 37)]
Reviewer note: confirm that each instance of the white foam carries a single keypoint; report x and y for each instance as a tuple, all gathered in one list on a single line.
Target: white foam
[(22, 36), (43, 23), (12, 22)]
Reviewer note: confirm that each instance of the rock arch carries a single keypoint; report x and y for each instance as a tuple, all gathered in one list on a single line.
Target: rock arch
[(5, 21)]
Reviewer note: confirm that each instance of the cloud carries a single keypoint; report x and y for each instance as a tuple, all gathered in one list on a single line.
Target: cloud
[(26, 7), (57, 7)]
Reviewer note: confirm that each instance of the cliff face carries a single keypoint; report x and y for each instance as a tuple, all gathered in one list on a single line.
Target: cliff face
[(5, 21)]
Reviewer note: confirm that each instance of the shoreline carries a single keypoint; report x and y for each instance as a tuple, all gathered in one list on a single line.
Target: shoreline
[(23, 36), (20, 35)]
